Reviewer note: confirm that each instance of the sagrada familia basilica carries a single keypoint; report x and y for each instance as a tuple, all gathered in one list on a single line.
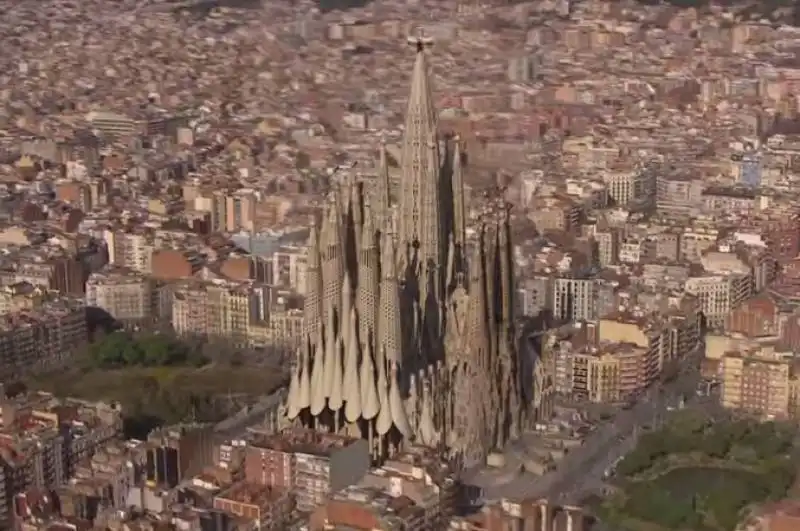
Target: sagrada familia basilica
[(409, 322)]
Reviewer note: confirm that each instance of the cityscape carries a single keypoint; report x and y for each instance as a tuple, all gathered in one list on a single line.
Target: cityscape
[(400, 265)]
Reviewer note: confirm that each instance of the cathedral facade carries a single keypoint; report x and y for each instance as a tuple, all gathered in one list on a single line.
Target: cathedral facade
[(409, 329)]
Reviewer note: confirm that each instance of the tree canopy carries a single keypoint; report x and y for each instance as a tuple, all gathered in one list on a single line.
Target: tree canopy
[(121, 349), (736, 440), (698, 474)]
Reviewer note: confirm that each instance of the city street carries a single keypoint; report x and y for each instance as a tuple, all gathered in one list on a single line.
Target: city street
[(581, 471)]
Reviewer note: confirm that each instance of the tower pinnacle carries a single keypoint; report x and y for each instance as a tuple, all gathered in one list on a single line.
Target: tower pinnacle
[(420, 41), (420, 226)]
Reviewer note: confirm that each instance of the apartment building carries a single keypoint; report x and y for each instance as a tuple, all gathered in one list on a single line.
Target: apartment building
[(597, 375), (555, 212), (528, 515), (634, 249), (608, 244), (534, 295), (415, 491), (591, 195), (667, 245), (217, 309), (126, 295), (22, 296), (243, 209), (621, 186), (130, 249), (42, 338), (74, 193), (573, 298), (626, 185), (247, 313), (288, 268), (678, 194), (696, 240), (310, 463), (721, 200), (589, 154), (50, 267), (719, 294), (175, 453), (645, 343), (43, 439), (264, 508), (756, 317), (761, 381), (101, 482), (150, 121)]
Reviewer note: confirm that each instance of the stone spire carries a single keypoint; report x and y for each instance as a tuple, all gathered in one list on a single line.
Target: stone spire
[(312, 309), (383, 423), (459, 207), (507, 370), (389, 323), (477, 329), (396, 404), (382, 198), (318, 379), (332, 261), (368, 282), (329, 375), (304, 390), (336, 399), (352, 387), (369, 393), (491, 281), (505, 252), (293, 399), (355, 220), (420, 224)]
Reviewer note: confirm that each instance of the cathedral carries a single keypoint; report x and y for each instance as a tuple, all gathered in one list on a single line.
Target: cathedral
[(409, 331)]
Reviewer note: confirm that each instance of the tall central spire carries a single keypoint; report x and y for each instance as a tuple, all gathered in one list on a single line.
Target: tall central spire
[(420, 223)]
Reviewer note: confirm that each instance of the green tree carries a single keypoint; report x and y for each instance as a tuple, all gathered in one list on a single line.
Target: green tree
[(120, 349), (715, 444)]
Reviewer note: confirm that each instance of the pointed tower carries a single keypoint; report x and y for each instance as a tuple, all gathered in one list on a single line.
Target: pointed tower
[(505, 252), (389, 337), (477, 338), (368, 282), (370, 403), (382, 198), (293, 398), (353, 221), (304, 389), (352, 386), (420, 222), (473, 404), (507, 370), (383, 423), (312, 308), (318, 378), (332, 249), (459, 209), (491, 281)]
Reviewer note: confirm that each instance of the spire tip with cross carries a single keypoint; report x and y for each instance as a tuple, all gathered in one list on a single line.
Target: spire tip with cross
[(420, 41)]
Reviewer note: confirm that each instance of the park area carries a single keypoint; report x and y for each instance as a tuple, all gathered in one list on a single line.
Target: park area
[(696, 475), (159, 380)]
